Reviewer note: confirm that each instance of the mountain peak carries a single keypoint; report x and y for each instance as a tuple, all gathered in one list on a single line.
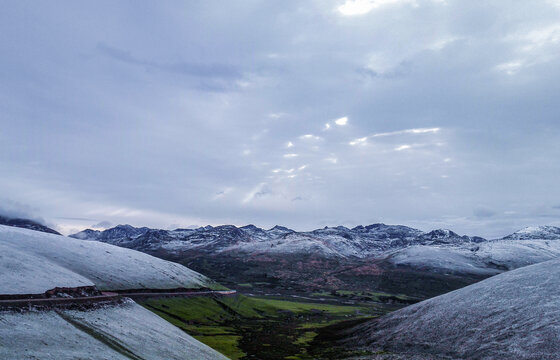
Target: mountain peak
[(26, 224), (280, 228), (543, 232), (441, 233)]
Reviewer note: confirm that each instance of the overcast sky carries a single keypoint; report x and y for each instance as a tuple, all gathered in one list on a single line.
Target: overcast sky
[(432, 114)]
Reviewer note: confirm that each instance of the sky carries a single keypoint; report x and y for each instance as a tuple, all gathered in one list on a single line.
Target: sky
[(432, 114)]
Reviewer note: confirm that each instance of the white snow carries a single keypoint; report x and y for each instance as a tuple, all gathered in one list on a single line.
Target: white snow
[(24, 273), (514, 315), (68, 334), (46, 260), (490, 257), (442, 259)]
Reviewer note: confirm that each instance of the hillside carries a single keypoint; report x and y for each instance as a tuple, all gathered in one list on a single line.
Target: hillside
[(52, 307), (108, 267), (514, 315)]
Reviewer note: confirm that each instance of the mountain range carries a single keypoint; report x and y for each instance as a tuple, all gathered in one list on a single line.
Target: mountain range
[(359, 242), (377, 257)]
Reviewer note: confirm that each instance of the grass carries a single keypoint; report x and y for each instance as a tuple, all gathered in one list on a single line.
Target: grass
[(301, 307), (365, 295), (227, 345), (253, 327)]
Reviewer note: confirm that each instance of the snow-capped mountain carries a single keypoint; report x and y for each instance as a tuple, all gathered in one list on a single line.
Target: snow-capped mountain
[(377, 256), (528, 246), (361, 241), (445, 236), (536, 232)]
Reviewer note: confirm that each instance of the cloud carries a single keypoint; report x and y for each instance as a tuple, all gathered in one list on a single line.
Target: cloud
[(361, 7), (483, 212), (163, 109), (341, 121), (359, 141), (102, 225), (214, 76), (403, 147), (310, 137), (408, 131), (17, 210)]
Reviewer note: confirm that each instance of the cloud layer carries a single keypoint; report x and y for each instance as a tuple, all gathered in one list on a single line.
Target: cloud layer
[(428, 113)]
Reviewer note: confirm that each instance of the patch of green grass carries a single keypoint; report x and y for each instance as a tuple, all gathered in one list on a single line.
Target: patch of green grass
[(305, 338), (299, 307), (245, 285), (367, 295), (226, 344), (317, 325), (249, 307)]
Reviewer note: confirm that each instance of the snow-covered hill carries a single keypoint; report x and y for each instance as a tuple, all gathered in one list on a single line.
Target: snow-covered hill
[(125, 331), (525, 247), (536, 232), (330, 241), (514, 315), (45, 260), (33, 262)]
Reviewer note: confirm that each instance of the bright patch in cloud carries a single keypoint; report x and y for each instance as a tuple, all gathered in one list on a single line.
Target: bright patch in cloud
[(290, 156), (310, 137), (327, 126), (276, 115), (257, 190), (342, 121), (403, 147), (408, 131), (360, 141), (361, 7), (332, 160), (510, 68), (289, 144), (440, 44)]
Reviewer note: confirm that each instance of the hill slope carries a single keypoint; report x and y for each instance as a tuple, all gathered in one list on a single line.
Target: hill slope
[(124, 331), (108, 267), (514, 315), (33, 262)]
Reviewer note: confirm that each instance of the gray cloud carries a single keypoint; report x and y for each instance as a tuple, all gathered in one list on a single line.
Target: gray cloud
[(482, 212), (106, 115), (102, 225), (16, 210), (213, 76)]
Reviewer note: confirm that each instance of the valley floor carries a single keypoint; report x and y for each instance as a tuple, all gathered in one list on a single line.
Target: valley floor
[(271, 327)]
